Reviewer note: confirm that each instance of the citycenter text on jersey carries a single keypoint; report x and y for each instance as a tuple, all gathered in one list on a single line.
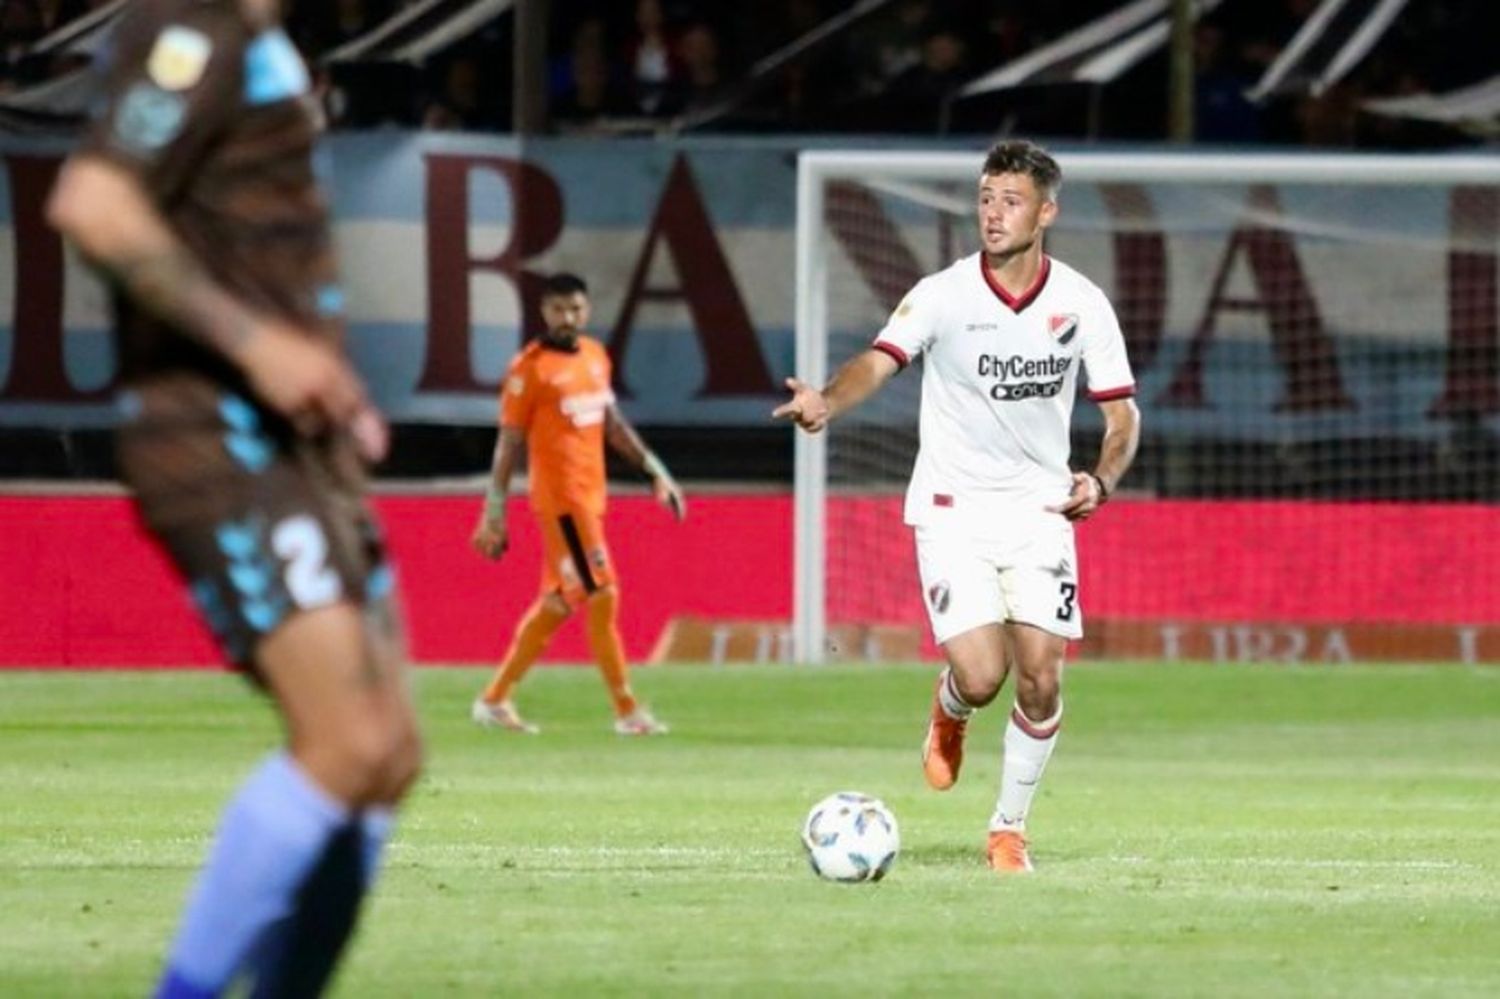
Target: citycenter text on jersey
[(1016, 366)]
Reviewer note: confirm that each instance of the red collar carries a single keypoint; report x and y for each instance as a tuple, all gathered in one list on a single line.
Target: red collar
[(1017, 303)]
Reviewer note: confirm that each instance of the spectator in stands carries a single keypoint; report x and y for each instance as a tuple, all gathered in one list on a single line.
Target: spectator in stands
[(654, 69), (25, 22), (591, 93), (1328, 119), (1221, 111), (889, 44), (917, 97), (459, 105), (703, 75), (590, 38), (342, 21)]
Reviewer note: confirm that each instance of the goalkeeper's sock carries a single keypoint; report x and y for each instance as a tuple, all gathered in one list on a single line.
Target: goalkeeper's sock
[(1028, 747), (532, 635), (950, 700), (609, 651), (272, 834)]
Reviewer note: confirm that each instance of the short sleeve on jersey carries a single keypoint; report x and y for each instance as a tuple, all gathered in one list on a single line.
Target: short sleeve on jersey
[(172, 81), (1104, 357), (518, 395), (911, 328)]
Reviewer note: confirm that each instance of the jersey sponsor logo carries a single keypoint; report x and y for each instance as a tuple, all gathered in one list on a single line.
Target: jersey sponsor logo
[(148, 118), (1063, 327), (178, 58), (515, 385), (1019, 377), (587, 409), (981, 327), (1002, 392), (1016, 366), (273, 69)]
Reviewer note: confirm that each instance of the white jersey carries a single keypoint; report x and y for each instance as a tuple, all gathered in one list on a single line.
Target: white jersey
[(998, 382)]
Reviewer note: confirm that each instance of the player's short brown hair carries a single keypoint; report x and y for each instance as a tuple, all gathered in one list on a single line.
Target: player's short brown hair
[(1025, 156)]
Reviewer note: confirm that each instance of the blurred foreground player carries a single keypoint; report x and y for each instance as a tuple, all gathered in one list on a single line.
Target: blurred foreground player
[(992, 501), (557, 406), (244, 436)]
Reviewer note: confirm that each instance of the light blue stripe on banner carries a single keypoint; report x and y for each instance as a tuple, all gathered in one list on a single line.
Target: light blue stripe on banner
[(614, 184)]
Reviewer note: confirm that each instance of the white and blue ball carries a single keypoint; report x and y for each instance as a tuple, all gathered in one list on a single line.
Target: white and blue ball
[(851, 837)]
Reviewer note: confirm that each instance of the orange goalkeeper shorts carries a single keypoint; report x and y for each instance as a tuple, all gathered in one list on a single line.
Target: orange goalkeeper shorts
[(575, 559)]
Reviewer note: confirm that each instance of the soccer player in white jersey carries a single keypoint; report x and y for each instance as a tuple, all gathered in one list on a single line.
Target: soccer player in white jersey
[(992, 500)]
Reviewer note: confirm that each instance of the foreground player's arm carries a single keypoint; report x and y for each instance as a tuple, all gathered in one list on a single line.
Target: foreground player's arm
[(859, 378), (104, 211), (491, 536), (624, 439), (1122, 435)]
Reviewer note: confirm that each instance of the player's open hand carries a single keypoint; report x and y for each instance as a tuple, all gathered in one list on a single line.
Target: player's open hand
[(1083, 499), (307, 381), (491, 538), (807, 408), (669, 494)]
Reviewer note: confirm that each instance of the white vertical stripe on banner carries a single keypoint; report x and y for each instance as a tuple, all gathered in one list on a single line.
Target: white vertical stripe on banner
[(1358, 45), (1306, 36), (81, 35), (1077, 43), (358, 47), (453, 29)]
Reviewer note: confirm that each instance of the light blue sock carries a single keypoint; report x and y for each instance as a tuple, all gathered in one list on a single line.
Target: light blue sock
[(271, 834), (376, 824)]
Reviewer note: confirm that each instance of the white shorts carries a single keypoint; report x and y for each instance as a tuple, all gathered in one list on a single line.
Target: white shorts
[(1031, 578)]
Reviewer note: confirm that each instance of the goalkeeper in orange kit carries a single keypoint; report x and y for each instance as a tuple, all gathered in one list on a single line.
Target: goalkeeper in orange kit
[(557, 405)]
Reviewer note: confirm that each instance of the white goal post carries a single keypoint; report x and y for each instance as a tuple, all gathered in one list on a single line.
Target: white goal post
[(920, 204)]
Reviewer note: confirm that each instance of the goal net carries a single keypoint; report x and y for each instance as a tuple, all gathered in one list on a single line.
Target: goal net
[(1315, 345)]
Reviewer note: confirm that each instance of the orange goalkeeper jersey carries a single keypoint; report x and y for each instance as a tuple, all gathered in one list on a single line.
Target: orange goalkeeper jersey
[(558, 399)]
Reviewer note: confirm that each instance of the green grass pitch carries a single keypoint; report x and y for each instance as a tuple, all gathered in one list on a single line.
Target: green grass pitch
[(1203, 831)]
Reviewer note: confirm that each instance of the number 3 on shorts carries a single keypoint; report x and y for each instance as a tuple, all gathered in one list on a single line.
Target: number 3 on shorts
[(299, 541), (1069, 598)]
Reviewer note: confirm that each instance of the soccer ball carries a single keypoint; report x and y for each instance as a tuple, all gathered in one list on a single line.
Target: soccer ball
[(851, 837)]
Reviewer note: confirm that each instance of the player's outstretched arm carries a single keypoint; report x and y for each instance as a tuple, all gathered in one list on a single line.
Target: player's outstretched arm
[(628, 444), (859, 378), (491, 535), (103, 210), (1122, 435)]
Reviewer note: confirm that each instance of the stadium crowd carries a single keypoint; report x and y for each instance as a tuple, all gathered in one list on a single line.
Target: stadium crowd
[(636, 65)]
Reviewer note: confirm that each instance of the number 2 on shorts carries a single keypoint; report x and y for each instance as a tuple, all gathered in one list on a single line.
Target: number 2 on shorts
[(300, 542)]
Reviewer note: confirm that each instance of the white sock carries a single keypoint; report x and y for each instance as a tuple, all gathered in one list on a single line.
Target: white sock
[(1028, 746), (951, 701)]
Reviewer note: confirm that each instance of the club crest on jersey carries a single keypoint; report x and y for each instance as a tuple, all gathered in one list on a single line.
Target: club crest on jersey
[(178, 58), (939, 595), (1063, 327)]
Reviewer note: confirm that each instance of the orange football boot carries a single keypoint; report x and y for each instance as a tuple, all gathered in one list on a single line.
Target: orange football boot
[(943, 749), (1006, 852)]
